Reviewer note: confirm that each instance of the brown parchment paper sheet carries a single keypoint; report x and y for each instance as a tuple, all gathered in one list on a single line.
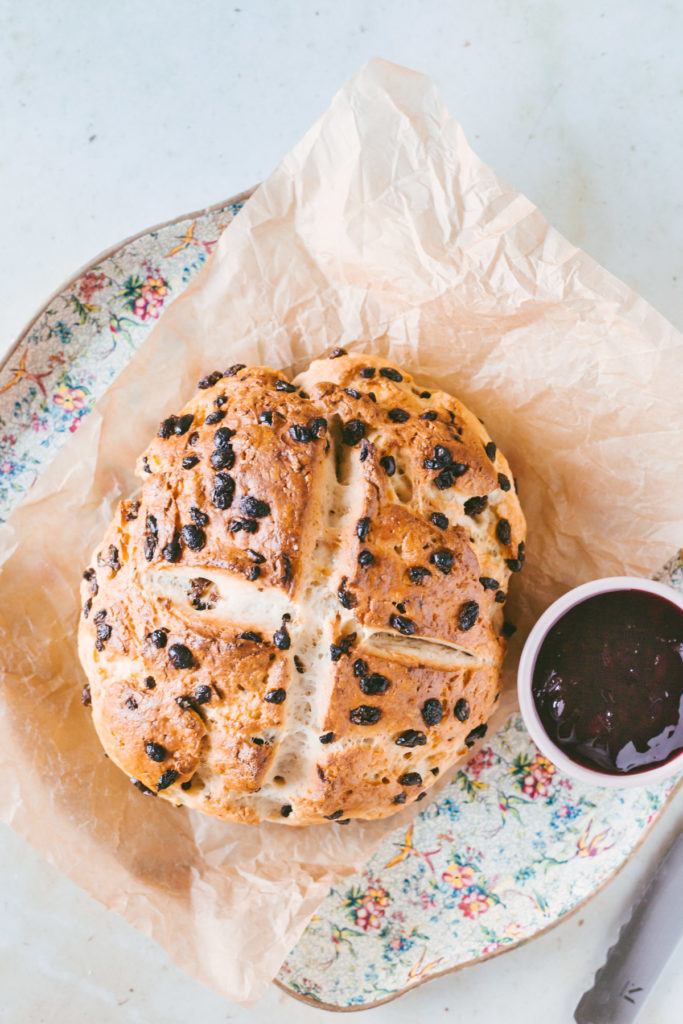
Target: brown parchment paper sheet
[(380, 231)]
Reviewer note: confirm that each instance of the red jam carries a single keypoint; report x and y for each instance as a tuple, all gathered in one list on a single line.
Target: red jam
[(608, 682)]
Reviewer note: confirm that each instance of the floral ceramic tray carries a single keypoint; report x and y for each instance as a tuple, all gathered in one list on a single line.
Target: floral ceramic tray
[(509, 847)]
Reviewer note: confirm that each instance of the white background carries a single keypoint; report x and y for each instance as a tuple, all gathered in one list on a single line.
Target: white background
[(115, 116)]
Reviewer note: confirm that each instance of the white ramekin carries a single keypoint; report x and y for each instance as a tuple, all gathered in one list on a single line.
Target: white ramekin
[(525, 674)]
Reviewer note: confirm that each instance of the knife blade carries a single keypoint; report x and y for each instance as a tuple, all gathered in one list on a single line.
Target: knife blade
[(645, 943)]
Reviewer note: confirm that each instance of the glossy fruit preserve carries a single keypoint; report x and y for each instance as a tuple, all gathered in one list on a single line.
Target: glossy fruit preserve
[(608, 682)]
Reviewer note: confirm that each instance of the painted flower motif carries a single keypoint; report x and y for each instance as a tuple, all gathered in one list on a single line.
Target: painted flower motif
[(447, 806), (378, 896), (459, 876), (371, 908), (482, 760), (366, 907), (7, 467), (564, 814), (70, 399), (513, 931), (524, 873), (90, 283), (475, 903), (145, 298), (369, 916), (427, 899), (38, 423), (533, 777), (154, 287), (399, 943), (537, 783), (63, 332), (307, 987)]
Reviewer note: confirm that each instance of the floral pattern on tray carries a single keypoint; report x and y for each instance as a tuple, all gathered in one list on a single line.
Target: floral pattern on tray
[(507, 848), (84, 338)]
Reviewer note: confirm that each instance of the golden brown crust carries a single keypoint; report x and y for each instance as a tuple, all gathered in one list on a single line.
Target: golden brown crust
[(402, 703), (424, 573), (354, 777), (299, 617)]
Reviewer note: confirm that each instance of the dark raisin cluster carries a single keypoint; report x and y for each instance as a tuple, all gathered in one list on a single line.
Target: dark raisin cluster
[(447, 469)]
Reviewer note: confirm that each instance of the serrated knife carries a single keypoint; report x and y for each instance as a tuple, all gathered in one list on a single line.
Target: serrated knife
[(645, 943)]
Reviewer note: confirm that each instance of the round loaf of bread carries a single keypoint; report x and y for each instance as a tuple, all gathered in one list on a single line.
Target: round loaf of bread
[(299, 617)]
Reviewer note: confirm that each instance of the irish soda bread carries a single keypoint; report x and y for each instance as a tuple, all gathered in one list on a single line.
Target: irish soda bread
[(299, 616)]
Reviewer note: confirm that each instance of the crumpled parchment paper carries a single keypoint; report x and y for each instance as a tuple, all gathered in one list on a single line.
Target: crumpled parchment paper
[(380, 231)]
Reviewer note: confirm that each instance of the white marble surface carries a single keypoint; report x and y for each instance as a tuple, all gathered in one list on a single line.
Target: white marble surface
[(117, 116)]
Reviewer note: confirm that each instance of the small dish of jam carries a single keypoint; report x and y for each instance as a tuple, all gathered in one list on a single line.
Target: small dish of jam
[(600, 682)]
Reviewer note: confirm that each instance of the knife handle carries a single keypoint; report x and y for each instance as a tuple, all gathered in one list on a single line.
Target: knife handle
[(644, 945)]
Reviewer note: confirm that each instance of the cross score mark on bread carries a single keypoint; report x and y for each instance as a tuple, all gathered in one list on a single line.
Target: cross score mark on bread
[(304, 606)]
